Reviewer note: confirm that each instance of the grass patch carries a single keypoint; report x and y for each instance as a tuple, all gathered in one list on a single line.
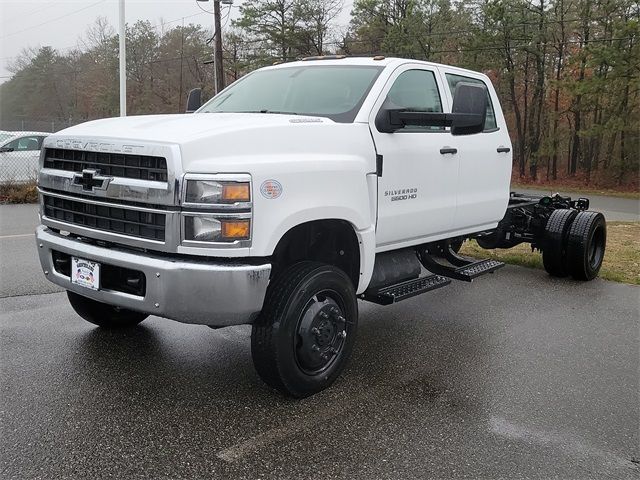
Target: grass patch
[(621, 260), (18, 192)]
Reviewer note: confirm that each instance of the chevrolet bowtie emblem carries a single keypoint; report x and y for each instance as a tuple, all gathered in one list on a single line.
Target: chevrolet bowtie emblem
[(90, 180)]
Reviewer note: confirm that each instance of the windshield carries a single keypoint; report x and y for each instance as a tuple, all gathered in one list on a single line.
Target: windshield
[(332, 91)]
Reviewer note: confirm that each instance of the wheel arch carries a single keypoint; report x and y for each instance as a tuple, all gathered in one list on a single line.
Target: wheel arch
[(334, 241)]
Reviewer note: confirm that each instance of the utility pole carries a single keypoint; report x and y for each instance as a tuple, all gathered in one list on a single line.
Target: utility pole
[(123, 63), (217, 41)]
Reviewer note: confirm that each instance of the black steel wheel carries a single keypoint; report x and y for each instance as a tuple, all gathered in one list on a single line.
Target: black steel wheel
[(586, 245), (306, 331), (102, 314), (554, 248)]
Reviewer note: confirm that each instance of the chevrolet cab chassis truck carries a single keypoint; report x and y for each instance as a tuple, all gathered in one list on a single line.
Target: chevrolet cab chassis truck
[(291, 194)]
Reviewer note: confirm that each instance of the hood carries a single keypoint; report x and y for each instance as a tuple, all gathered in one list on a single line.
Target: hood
[(180, 129), (235, 142)]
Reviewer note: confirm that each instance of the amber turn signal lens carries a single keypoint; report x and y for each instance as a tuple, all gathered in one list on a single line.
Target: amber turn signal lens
[(236, 230), (236, 192)]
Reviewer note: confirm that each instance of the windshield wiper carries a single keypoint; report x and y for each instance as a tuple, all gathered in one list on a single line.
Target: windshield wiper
[(272, 112), (275, 112)]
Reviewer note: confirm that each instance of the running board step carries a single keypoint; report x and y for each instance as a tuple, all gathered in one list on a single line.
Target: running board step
[(467, 272), (476, 269), (404, 290)]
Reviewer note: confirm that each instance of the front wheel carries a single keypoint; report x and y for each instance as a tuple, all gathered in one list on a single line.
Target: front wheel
[(305, 334), (102, 314)]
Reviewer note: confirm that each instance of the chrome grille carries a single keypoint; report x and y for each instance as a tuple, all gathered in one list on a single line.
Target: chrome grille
[(142, 167), (109, 218)]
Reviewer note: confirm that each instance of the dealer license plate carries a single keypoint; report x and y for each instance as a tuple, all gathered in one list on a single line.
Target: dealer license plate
[(85, 273)]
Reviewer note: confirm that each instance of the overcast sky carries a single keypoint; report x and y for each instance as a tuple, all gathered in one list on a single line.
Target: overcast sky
[(60, 23)]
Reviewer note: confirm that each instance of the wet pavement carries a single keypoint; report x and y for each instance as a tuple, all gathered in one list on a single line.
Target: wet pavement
[(516, 375)]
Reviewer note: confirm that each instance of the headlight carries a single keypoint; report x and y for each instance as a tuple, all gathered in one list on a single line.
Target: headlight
[(209, 228), (211, 192)]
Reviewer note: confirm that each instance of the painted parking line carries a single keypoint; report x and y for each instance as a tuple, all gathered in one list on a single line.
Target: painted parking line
[(17, 236)]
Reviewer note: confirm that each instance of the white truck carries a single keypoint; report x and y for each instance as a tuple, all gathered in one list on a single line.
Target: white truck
[(291, 194)]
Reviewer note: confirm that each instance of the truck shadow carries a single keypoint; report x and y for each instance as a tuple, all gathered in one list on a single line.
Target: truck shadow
[(163, 381), (166, 361)]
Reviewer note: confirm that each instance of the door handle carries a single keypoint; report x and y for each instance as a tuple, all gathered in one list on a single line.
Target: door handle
[(445, 150), (503, 150)]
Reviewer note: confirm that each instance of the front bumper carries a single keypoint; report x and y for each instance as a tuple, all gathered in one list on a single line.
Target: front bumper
[(189, 290)]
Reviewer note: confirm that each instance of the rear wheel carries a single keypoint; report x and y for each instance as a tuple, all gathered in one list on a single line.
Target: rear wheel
[(306, 331), (102, 314), (554, 252), (586, 245)]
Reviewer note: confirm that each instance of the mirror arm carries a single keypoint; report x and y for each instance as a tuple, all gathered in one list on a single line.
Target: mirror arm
[(390, 121), (407, 117)]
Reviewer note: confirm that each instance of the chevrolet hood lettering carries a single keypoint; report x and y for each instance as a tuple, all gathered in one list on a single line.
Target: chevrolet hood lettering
[(95, 146)]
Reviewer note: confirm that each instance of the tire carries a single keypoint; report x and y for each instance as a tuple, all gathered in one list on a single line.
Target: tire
[(104, 315), (305, 334), (554, 251), (586, 245)]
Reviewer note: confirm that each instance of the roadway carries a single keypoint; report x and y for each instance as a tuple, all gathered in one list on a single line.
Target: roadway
[(613, 208), (516, 375)]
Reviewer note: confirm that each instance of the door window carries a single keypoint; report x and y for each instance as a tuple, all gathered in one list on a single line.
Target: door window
[(25, 144), (490, 120), (416, 90)]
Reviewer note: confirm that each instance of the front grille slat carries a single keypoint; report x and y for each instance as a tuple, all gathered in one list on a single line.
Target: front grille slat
[(135, 223), (140, 167)]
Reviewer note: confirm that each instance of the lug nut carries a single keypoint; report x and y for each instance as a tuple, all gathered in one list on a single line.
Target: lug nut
[(343, 334), (324, 315), (315, 348), (315, 331)]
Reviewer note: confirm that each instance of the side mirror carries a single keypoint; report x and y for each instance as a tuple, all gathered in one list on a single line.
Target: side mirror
[(6, 149), (194, 100), (468, 115), (470, 109)]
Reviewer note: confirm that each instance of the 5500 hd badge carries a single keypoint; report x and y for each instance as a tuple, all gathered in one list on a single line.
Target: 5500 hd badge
[(401, 194)]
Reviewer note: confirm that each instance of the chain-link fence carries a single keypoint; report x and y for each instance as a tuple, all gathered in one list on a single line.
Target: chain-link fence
[(20, 144), (19, 154)]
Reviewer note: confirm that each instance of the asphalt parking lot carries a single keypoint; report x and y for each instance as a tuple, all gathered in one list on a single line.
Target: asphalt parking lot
[(517, 375)]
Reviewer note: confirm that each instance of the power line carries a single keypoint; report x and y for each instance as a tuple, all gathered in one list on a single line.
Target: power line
[(162, 24), (53, 19), (203, 9), (37, 10)]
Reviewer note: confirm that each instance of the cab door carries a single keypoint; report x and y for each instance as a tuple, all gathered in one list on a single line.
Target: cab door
[(485, 160), (418, 179)]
